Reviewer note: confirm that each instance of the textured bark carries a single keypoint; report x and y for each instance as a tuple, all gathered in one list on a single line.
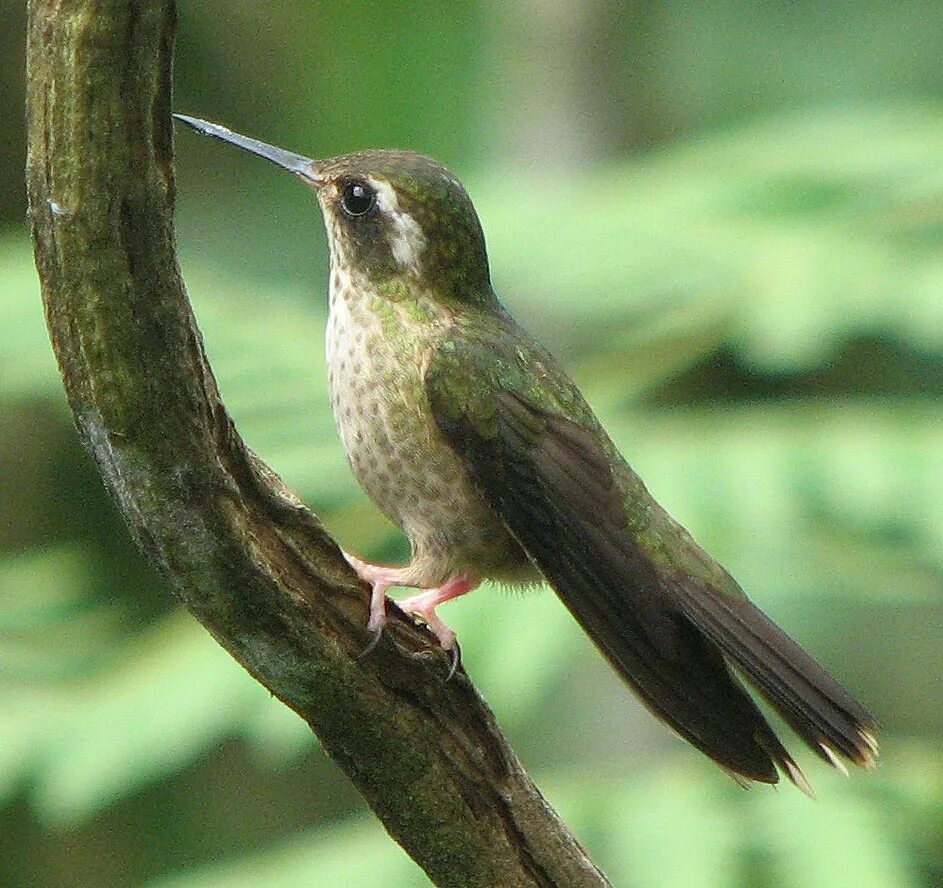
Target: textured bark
[(251, 563)]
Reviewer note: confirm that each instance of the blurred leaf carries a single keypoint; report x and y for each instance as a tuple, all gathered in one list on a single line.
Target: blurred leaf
[(48, 627), (172, 696), (797, 234), (276, 733), (678, 824), (355, 855), (27, 365), (848, 838), (761, 480), (659, 822)]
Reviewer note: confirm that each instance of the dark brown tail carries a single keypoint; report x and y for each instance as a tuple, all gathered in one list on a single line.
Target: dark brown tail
[(817, 707), (679, 664), (668, 618)]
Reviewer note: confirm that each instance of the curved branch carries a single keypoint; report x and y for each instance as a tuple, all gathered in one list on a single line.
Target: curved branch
[(242, 553)]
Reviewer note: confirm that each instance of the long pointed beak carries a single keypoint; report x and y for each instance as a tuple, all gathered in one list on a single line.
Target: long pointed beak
[(303, 167)]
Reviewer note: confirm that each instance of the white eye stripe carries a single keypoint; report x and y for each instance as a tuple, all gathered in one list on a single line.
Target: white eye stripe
[(387, 200), (407, 240)]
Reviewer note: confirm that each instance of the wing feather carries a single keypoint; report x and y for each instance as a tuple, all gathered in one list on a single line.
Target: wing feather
[(670, 632)]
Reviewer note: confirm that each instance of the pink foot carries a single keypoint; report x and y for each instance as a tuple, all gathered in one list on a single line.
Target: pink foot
[(380, 577), (424, 604)]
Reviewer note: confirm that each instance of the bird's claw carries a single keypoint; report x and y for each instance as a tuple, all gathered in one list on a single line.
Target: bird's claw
[(453, 650), (456, 653), (445, 636), (374, 641), (380, 578), (421, 606)]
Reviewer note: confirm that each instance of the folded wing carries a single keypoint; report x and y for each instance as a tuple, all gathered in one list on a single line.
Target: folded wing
[(668, 618)]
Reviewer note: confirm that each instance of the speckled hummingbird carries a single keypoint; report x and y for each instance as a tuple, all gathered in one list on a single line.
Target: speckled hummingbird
[(471, 438)]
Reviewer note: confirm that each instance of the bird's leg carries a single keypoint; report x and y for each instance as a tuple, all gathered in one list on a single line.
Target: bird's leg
[(424, 604), (380, 577)]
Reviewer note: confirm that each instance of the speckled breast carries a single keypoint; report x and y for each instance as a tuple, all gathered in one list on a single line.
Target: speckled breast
[(377, 350)]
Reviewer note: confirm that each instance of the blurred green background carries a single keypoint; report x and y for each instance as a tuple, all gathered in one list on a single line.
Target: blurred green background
[(727, 219)]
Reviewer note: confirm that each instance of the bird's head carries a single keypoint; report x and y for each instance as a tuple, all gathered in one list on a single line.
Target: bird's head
[(391, 216)]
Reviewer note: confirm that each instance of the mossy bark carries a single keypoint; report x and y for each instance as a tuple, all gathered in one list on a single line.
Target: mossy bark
[(241, 552)]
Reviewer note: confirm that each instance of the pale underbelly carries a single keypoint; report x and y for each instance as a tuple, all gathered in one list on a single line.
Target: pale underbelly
[(401, 461)]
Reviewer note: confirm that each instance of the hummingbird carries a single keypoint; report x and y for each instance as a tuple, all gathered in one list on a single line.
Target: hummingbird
[(470, 437)]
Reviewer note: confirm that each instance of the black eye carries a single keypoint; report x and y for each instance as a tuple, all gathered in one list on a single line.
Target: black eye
[(358, 199)]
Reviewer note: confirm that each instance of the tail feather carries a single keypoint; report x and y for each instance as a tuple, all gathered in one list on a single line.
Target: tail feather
[(675, 650), (666, 616), (681, 676), (816, 706)]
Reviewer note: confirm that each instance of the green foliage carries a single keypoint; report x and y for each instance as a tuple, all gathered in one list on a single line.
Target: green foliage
[(776, 296), (351, 854)]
